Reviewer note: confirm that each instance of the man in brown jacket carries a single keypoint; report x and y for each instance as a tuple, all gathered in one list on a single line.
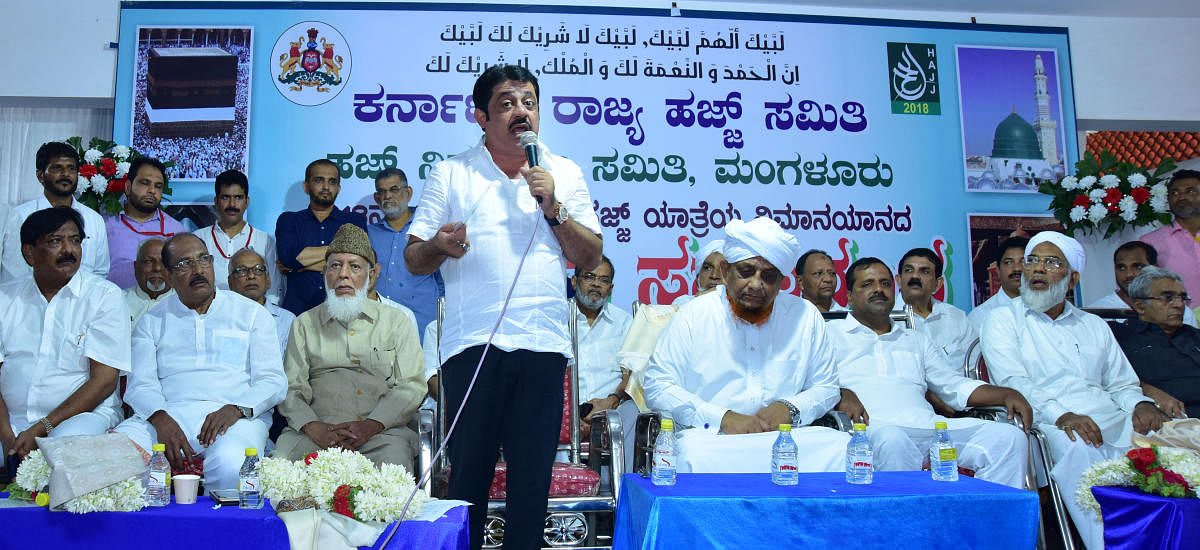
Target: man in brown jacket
[(354, 367)]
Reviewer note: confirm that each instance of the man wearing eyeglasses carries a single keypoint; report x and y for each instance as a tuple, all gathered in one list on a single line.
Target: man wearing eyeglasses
[(250, 276), (231, 233), (1128, 261), (1163, 349), (206, 370), (151, 277), (1066, 362), (601, 329), (418, 293), (1178, 244)]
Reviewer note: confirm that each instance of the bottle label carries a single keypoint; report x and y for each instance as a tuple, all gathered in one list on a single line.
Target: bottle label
[(157, 478), (248, 484), (663, 459), (947, 454)]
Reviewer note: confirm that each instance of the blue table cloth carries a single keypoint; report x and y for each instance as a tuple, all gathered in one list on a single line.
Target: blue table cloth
[(198, 526), (1135, 519), (899, 510)]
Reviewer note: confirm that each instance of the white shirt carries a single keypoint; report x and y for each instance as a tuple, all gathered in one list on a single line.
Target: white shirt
[(500, 216), (599, 373), (890, 373), (229, 355), (45, 347), (1069, 364), (139, 302), (95, 241), (708, 362), (1113, 301), (283, 324), (947, 327), (980, 313), (429, 350), (403, 308), (223, 247)]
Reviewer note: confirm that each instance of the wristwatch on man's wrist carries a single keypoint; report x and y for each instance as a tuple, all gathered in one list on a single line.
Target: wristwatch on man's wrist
[(560, 218), (247, 412), (793, 412)]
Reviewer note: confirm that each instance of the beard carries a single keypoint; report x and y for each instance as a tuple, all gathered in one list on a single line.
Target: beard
[(393, 212), (345, 308), (156, 287), (587, 301), (1042, 300)]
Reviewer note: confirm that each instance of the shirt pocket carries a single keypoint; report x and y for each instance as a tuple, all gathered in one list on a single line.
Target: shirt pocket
[(71, 357), (231, 347), (906, 366)]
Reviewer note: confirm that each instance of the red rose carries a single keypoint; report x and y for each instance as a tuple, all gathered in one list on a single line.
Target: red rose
[(1172, 477), (1142, 458), (117, 185), (87, 170), (108, 167), (1082, 200), (310, 458), (1113, 196), (341, 501), (1140, 195)]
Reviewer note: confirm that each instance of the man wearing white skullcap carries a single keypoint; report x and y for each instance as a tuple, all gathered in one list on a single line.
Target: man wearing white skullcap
[(736, 364), (1084, 393), (708, 275)]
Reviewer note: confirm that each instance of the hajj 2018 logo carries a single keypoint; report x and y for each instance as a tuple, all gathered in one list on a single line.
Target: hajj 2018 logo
[(913, 78), (313, 63)]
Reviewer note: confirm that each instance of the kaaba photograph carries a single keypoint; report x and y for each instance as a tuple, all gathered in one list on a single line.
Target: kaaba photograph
[(192, 98)]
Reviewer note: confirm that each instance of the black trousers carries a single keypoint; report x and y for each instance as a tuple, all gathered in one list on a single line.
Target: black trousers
[(517, 402)]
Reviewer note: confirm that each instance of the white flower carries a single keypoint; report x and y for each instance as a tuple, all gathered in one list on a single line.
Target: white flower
[(126, 496), (1159, 204), (34, 472), (82, 185), (1137, 180), (1110, 180), (1087, 181), (122, 169), (1158, 190), (1128, 208), (1097, 212), (1078, 213), (99, 184), (92, 155), (121, 152), (1097, 195), (1116, 471), (1069, 183)]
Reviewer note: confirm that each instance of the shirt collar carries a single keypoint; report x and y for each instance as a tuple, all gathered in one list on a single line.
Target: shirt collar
[(383, 224), (854, 325), (75, 285)]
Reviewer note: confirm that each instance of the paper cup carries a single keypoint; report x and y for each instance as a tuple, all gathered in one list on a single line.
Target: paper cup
[(185, 488)]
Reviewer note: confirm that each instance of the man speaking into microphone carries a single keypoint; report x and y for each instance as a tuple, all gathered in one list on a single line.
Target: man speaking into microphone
[(478, 212)]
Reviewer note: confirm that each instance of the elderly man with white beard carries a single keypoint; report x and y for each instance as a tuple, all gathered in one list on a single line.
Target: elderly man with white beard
[(601, 329), (354, 366), (1067, 363)]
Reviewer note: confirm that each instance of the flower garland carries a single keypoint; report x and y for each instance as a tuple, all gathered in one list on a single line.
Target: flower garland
[(104, 172), (344, 482), (126, 496), (1166, 471), (1108, 193)]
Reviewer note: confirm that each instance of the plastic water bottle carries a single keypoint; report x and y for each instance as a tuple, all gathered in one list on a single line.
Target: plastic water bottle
[(249, 491), (158, 480), (785, 470), (663, 471), (859, 463), (943, 458)]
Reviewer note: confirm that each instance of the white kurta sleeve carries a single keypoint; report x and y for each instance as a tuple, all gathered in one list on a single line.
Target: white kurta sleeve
[(144, 393), (664, 376), (267, 381), (1001, 342), (946, 381), (821, 389), (107, 339), (433, 210)]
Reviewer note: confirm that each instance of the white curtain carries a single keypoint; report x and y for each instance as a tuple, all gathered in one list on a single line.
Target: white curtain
[(24, 129)]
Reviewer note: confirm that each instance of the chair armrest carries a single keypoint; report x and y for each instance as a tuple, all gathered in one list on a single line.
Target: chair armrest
[(834, 419), (425, 446)]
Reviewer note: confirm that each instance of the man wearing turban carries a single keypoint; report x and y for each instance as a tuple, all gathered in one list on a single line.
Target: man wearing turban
[(735, 364), (1067, 363)]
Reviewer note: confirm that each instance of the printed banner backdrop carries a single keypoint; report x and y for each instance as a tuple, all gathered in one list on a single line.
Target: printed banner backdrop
[(841, 129)]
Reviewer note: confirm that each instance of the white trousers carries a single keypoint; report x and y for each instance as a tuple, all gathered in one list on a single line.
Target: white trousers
[(997, 452), (223, 458), (1071, 459), (84, 423), (820, 450)]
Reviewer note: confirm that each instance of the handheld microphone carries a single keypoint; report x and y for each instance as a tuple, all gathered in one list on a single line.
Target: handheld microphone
[(529, 142)]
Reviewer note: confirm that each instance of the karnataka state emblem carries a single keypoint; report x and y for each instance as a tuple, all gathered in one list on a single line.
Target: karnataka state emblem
[(312, 58)]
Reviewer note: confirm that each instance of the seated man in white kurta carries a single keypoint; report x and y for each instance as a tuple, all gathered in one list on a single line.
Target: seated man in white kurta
[(64, 338), (206, 370), (1084, 392), (889, 368), (736, 364)]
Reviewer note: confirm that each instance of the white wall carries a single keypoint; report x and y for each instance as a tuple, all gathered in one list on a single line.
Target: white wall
[(1124, 68)]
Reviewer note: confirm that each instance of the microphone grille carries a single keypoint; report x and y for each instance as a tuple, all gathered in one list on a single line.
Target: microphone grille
[(529, 138)]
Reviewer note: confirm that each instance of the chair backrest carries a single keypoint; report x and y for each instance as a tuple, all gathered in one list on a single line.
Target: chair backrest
[(1112, 314), (904, 315)]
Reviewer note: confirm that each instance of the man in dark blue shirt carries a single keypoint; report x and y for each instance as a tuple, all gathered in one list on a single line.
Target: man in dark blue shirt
[(389, 237), (1163, 350), (303, 236)]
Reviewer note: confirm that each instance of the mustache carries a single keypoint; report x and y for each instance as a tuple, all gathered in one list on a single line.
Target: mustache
[(875, 295), (522, 120), (67, 258), (198, 278), (916, 282)]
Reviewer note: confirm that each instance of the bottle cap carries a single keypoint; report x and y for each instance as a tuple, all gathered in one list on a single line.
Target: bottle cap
[(939, 425), (860, 427), (785, 427), (251, 451), (158, 447), (668, 425)]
